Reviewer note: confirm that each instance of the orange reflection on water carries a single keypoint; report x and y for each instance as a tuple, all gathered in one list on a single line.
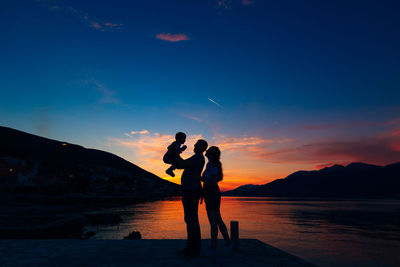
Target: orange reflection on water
[(165, 219), (318, 231)]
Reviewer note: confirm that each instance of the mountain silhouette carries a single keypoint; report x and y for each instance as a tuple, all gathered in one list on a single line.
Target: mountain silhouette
[(60, 167), (356, 180)]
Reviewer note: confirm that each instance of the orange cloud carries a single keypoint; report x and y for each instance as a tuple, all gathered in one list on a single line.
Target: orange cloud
[(172, 37), (140, 132), (287, 155), (147, 149), (248, 144), (247, 147), (258, 160)]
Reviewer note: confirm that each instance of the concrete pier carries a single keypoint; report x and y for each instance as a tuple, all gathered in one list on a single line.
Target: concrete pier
[(145, 252)]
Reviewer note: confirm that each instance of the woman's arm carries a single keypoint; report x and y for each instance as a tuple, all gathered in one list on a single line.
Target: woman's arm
[(210, 175)]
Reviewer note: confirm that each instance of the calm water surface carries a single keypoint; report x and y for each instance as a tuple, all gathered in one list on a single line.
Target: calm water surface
[(326, 233)]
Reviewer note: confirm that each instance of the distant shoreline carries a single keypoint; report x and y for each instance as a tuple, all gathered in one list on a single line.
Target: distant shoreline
[(88, 201), (310, 198)]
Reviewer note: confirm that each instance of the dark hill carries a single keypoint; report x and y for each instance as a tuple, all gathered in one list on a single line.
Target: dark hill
[(50, 165), (356, 180)]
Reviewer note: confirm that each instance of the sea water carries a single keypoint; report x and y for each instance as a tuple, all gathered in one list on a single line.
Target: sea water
[(326, 233)]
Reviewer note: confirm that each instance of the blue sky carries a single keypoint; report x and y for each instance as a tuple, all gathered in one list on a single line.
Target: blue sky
[(286, 75)]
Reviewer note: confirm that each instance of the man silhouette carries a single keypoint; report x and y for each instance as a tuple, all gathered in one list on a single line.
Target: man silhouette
[(191, 193)]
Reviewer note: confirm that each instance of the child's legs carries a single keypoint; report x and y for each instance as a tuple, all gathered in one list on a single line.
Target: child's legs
[(173, 167), (174, 163), (168, 157)]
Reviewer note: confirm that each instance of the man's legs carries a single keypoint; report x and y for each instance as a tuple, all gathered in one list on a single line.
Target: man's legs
[(190, 202)]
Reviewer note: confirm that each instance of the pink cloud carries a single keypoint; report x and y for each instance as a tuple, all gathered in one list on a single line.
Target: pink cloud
[(224, 4), (90, 21), (394, 132), (172, 37), (248, 2), (372, 150), (381, 148), (328, 126), (394, 121), (108, 26), (96, 25), (113, 26), (344, 127), (395, 146), (276, 156)]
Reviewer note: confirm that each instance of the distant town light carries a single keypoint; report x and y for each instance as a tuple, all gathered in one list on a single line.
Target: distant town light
[(64, 144)]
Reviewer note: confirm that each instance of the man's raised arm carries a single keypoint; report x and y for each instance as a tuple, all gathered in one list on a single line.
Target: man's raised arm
[(184, 163)]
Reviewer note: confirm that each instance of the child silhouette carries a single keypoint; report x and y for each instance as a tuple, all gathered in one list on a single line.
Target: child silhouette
[(174, 149)]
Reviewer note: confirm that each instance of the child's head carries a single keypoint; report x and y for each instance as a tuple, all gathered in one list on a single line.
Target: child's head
[(180, 137)]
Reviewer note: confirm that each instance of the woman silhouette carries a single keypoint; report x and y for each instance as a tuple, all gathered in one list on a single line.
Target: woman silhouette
[(212, 196)]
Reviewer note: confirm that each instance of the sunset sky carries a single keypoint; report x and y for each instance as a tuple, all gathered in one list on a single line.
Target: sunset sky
[(279, 86)]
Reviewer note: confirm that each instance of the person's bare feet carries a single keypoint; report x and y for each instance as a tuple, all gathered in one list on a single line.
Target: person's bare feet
[(170, 172)]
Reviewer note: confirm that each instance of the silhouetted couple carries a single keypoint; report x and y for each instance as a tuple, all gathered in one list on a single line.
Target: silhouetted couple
[(192, 192)]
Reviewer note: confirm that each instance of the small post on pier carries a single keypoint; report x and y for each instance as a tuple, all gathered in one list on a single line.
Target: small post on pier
[(235, 233)]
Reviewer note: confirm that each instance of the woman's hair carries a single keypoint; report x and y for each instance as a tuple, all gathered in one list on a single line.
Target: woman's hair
[(214, 155)]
